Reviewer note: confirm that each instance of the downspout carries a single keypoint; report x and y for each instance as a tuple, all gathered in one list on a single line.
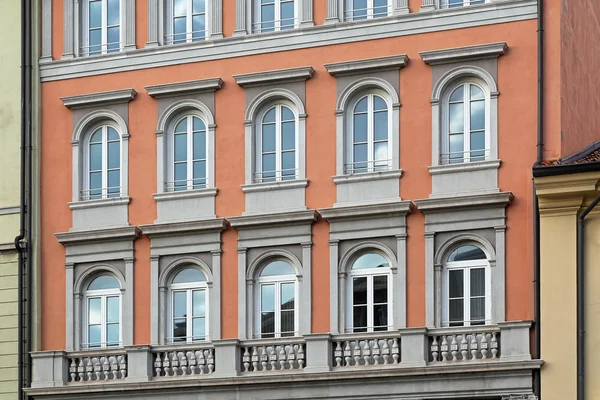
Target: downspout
[(29, 188), (537, 381), (581, 299)]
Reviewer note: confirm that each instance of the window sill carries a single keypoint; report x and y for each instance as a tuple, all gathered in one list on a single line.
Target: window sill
[(186, 194), (464, 167), (367, 176), (269, 186), (84, 204)]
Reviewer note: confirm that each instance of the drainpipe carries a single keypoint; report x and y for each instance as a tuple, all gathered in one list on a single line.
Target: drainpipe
[(581, 299)]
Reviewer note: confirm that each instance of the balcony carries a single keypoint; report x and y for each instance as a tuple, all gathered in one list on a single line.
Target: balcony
[(401, 354)]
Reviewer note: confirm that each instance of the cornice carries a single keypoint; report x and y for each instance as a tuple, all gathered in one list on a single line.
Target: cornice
[(367, 65), (184, 227), (561, 186), (95, 235), (274, 76), (444, 56), (489, 200), (184, 88), (462, 167), (368, 210), (99, 98), (283, 218)]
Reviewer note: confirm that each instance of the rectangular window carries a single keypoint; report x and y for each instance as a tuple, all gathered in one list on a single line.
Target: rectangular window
[(357, 10), (460, 3), (187, 22), (274, 15), (101, 26)]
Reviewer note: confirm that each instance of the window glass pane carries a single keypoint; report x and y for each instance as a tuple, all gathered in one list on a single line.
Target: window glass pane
[(360, 9), (179, 304), (199, 328), (458, 94), (477, 282), (95, 14), (380, 127), (113, 12), (181, 174), (189, 275), (455, 283), (112, 335), (289, 163), (199, 145), (362, 105), (112, 133), (199, 172), (95, 183), (359, 318), (278, 268), (457, 123), (198, 303), (287, 322), (379, 8), (198, 124), (94, 311), (179, 329), (381, 152), (267, 18), (267, 324), (477, 146), (456, 311), (94, 335), (112, 309), (96, 136), (95, 40), (199, 27), (380, 289), (287, 296), (114, 182), (456, 146), (360, 153), (181, 126), (268, 137), (113, 38), (360, 128), (114, 154), (267, 298), (467, 252), (370, 260), (477, 115), (289, 135), (478, 309), (287, 14), (180, 147), (269, 116), (268, 165), (179, 30), (455, 3), (359, 290), (104, 282), (95, 157), (476, 92), (179, 7), (287, 114), (379, 104), (198, 6), (380, 317)]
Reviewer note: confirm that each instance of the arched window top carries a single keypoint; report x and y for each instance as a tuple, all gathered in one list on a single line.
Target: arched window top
[(458, 76), (370, 260), (466, 252), (177, 111), (276, 268), (269, 98), (104, 282), (354, 92), (189, 275)]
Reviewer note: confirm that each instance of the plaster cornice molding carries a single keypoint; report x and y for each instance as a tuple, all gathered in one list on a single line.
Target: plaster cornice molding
[(184, 88), (456, 54), (402, 207), (561, 186), (283, 218), (367, 65), (442, 204), (124, 233), (184, 227), (99, 98), (275, 76)]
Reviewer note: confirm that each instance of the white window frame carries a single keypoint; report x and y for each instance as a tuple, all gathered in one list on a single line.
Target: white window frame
[(349, 139), (445, 124), (190, 149), (466, 267), (85, 192), (465, 3), (257, 175), (189, 288), (348, 11), (276, 280), (85, 48), (169, 22), (257, 23), (103, 294), (369, 273)]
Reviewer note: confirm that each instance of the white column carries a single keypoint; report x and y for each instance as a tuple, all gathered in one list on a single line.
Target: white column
[(333, 287), (154, 301), (127, 314), (215, 304), (427, 5), (129, 25), (162, 319), (399, 285), (499, 278), (216, 21), (68, 24), (437, 297), (153, 23), (306, 19), (241, 27), (70, 331), (242, 293), (401, 7), (333, 12), (46, 31), (429, 280), (306, 299), (77, 312)]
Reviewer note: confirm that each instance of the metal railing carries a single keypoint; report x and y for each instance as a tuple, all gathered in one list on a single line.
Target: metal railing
[(102, 48), (455, 4), (112, 192), (275, 25), (359, 14), (186, 37), (185, 184), (276, 175), (367, 166), (459, 157)]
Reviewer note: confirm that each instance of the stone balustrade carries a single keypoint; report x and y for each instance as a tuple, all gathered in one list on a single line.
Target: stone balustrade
[(312, 353)]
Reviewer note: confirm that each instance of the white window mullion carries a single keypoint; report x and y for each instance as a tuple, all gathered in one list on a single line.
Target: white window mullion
[(103, 313), (188, 22), (277, 309), (467, 294), (370, 134), (190, 152), (104, 26), (278, 144), (277, 15), (370, 303), (190, 317), (467, 123), (104, 162)]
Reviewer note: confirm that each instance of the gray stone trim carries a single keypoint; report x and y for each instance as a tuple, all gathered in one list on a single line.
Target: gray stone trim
[(155, 310), (80, 205), (187, 88), (501, 199), (472, 166), (369, 210), (101, 213), (241, 293), (183, 227), (368, 176), (69, 23), (462, 54), (189, 194), (241, 20), (270, 186), (129, 22), (262, 220), (274, 77), (99, 99), (128, 316), (334, 12), (10, 210), (428, 5), (216, 19), (153, 23), (306, 13), (324, 35), (81, 237), (367, 65), (46, 33)]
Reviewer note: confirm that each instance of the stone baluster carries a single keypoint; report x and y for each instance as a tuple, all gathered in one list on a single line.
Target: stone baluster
[(105, 368), (454, 348), (301, 357), (264, 358), (484, 346), (211, 361), (292, 356), (375, 351), (201, 360), (158, 365), (444, 348), (474, 346), (435, 349), (347, 353), (395, 351), (357, 352), (255, 357), (464, 347), (246, 360), (193, 362), (386, 352), (183, 363), (337, 354), (73, 370), (367, 353), (494, 343), (282, 357), (273, 358), (168, 364)]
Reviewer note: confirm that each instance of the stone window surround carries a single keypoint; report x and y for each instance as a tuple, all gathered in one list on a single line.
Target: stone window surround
[(244, 20), (347, 223), (451, 215), (293, 191), (293, 228), (72, 27), (336, 10)]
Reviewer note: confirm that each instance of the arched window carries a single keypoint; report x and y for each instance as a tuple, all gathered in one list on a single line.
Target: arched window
[(368, 135), (102, 178), (466, 287), (102, 319), (187, 160), (276, 144), (274, 15), (465, 123), (188, 295), (460, 3), (370, 307), (101, 27), (187, 21), (366, 9), (276, 306)]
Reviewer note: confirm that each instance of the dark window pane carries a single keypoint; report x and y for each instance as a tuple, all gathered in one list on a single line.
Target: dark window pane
[(466, 253), (456, 283), (456, 146), (287, 321), (477, 282), (269, 116), (380, 315), (381, 153), (181, 126), (112, 309), (456, 311), (198, 124), (380, 289), (360, 128), (179, 304), (95, 40), (359, 290), (95, 182), (179, 329), (179, 29), (359, 317), (360, 153), (97, 136), (287, 296), (478, 309), (267, 323)]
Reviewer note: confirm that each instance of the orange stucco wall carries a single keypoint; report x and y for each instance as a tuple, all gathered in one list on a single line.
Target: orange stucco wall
[(517, 128)]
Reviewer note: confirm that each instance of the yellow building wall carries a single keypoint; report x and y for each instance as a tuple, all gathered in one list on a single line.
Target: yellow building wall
[(10, 111)]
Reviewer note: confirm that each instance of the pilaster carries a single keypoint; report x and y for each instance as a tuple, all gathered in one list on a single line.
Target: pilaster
[(306, 322), (154, 300), (68, 26), (242, 325), (215, 304), (429, 280), (401, 7), (46, 54), (333, 12), (241, 27), (216, 20), (333, 287), (153, 23), (127, 316), (129, 25)]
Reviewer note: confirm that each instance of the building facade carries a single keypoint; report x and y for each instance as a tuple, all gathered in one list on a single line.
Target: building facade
[(287, 199)]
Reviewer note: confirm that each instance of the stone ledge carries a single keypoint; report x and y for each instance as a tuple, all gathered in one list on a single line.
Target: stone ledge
[(184, 88), (94, 235), (275, 76), (466, 53), (99, 98), (367, 65), (184, 227), (402, 207), (464, 202), (281, 218)]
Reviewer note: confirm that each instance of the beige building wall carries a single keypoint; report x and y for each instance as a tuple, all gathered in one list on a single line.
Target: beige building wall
[(562, 198), (10, 108)]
